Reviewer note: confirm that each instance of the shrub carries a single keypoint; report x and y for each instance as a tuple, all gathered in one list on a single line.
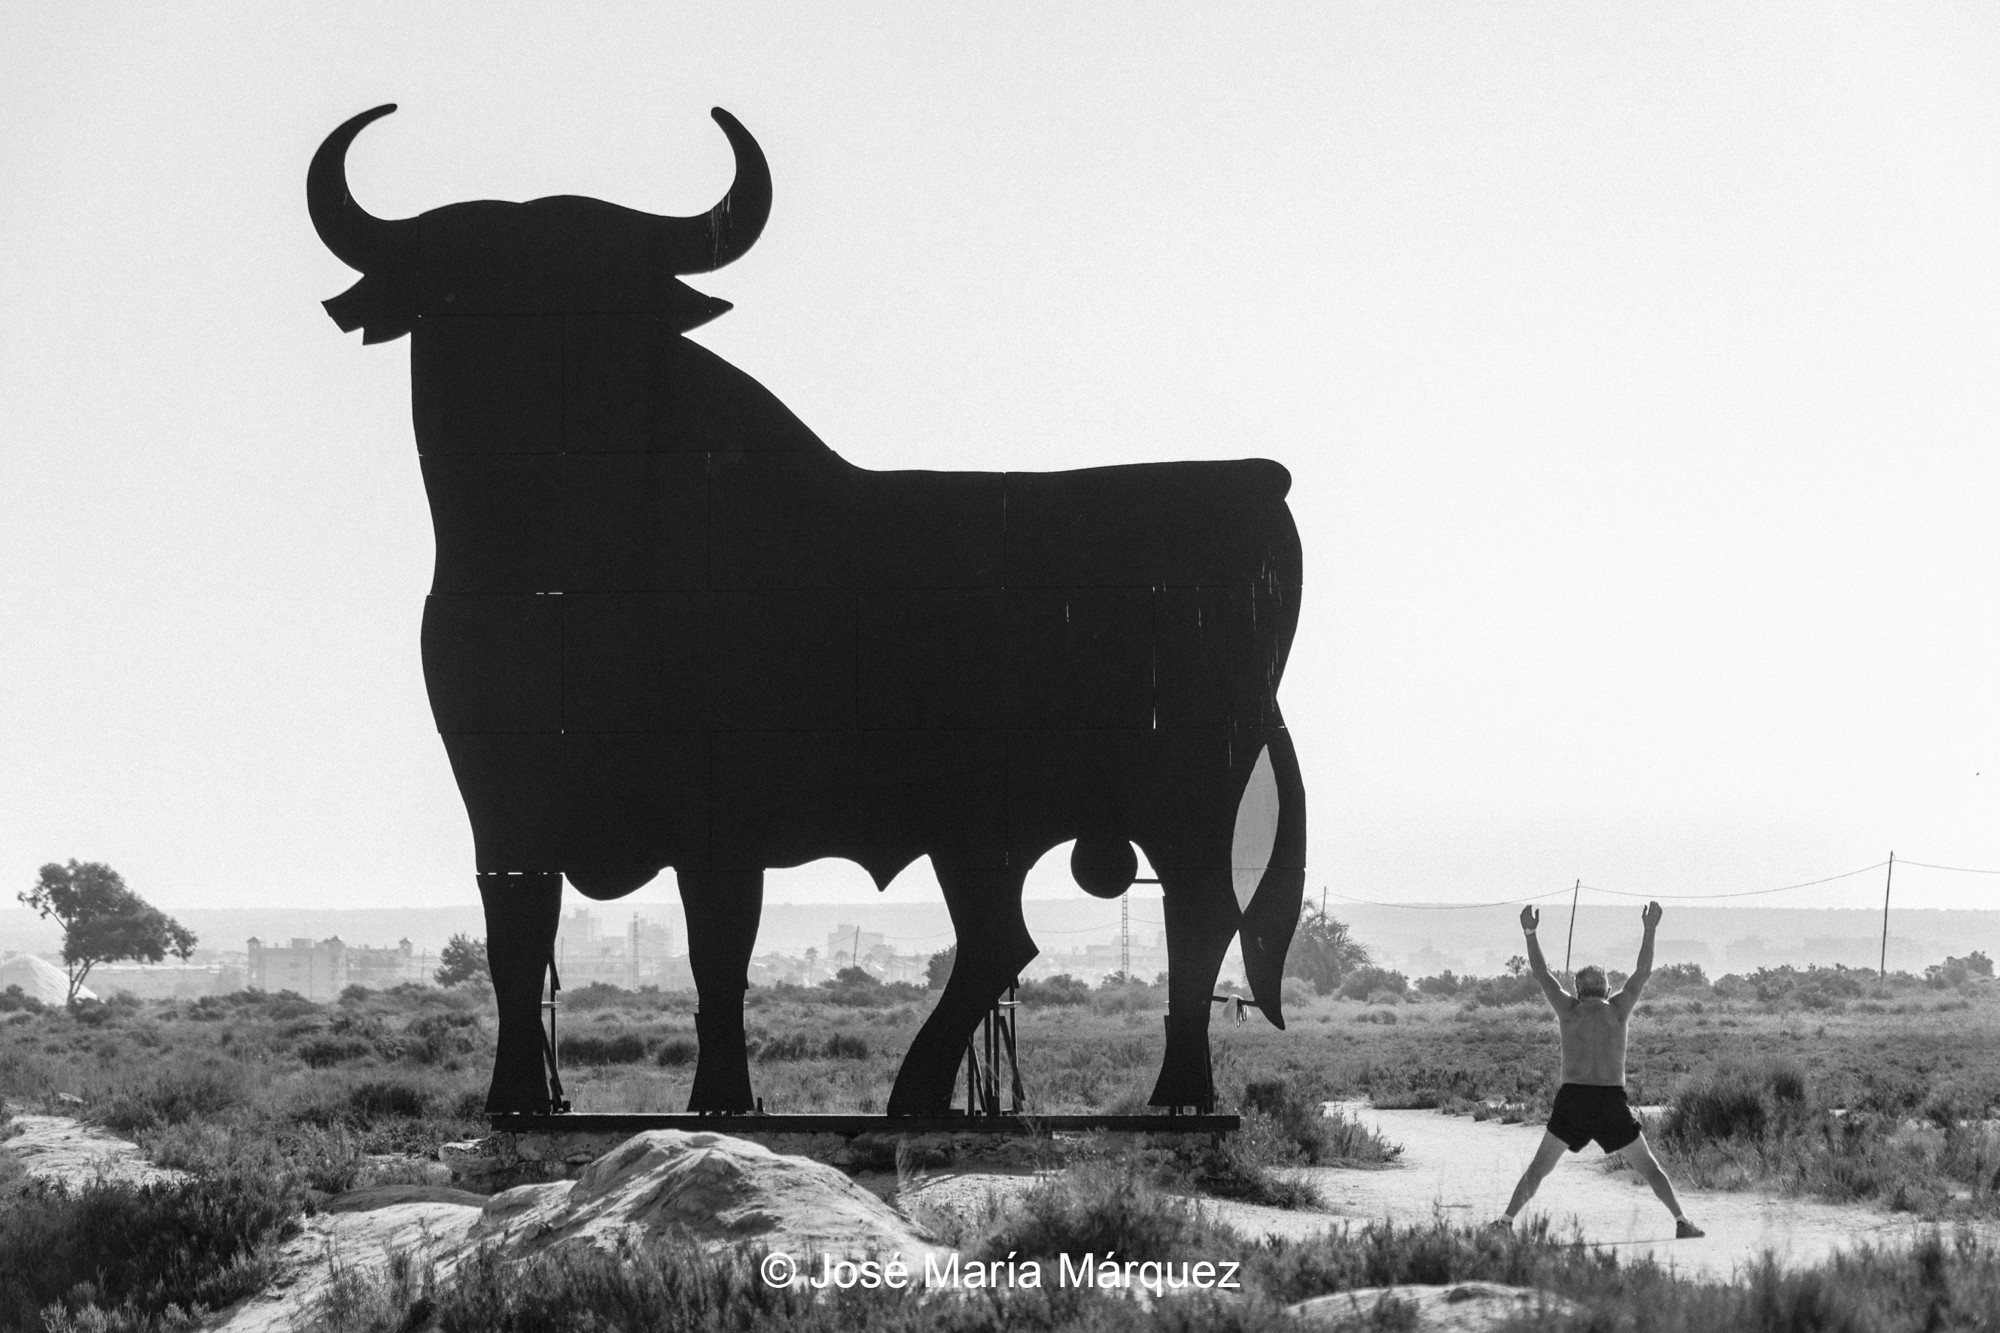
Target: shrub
[(597, 995), (1365, 981), (135, 1251), (382, 1099), (285, 1004), (624, 1049), (637, 1287), (1679, 976), (325, 1052), (1061, 991), (844, 1046), (1384, 1016), (1495, 992), (1297, 992), (791, 1046), (173, 1097), (676, 1051), (1444, 985), (1098, 1209), (436, 1037), (1122, 995), (16, 1000), (1736, 1100)]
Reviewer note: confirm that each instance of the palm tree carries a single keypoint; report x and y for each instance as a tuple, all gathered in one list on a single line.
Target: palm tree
[(1323, 950)]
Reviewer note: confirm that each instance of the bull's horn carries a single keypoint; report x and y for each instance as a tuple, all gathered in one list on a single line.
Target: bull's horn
[(702, 244), (356, 238)]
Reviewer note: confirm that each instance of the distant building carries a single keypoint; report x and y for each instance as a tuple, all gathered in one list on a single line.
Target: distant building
[(643, 955), (168, 981), (1667, 952), (321, 970), (316, 970), (649, 954)]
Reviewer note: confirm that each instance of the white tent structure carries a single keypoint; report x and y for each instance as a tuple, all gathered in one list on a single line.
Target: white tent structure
[(38, 978)]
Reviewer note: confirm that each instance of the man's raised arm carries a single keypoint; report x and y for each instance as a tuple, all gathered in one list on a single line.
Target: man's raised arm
[(1628, 994), (1559, 998)]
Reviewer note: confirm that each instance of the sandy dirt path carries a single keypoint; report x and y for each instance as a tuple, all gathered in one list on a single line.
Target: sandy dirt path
[(1464, 1170)]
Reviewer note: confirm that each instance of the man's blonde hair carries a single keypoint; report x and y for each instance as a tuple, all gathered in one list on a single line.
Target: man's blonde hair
[(1591, 983)]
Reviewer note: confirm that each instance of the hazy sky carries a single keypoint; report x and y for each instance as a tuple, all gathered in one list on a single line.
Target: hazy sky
[(1638, 371)]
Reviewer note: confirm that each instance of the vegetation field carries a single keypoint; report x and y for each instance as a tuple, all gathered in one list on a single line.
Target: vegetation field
[(1822, 1082)]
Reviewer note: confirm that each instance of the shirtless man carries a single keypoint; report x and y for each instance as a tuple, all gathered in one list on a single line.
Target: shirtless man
[(1591, 1102)]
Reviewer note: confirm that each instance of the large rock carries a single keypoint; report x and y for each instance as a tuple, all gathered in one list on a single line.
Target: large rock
[(717, 1191)]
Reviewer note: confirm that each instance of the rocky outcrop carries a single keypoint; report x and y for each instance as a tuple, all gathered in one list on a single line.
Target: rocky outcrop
[(55, 1147), (709, 1189), (1457, 1307)]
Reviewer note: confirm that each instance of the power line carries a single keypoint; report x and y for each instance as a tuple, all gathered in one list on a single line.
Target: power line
[(1747, 893), (1537, 898), (1963, 870), (1450, 907)]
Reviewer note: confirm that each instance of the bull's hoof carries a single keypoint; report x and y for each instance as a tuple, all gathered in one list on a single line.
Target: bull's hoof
[(517, 1102), (919, 1090), (722, 1067), (721, 1091)]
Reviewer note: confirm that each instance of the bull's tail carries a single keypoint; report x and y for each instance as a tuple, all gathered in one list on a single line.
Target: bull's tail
[(1268, 868)]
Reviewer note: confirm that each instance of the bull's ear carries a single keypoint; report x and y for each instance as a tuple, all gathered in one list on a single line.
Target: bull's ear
[(382, 307), (685, 308)]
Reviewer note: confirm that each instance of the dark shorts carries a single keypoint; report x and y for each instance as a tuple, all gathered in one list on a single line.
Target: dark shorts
[(1584, 1111)]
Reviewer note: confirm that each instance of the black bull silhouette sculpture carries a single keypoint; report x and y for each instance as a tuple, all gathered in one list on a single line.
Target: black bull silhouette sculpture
[(670, 627)]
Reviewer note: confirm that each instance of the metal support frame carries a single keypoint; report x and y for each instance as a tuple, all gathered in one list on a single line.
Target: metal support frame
[(558, 1103), (995, 1040)]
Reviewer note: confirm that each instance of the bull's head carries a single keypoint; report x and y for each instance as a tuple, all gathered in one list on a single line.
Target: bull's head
[(549, 256)]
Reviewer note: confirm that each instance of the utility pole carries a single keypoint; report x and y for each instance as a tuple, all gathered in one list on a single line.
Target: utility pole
[(1882, 967), (1574, 894), (1125, 935)]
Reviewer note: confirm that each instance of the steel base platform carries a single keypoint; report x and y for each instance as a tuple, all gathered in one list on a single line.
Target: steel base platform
[(849, 1126)]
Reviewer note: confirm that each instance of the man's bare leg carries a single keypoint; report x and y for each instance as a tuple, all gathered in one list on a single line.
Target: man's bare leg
[(1547, 1154), (1639, 1155)]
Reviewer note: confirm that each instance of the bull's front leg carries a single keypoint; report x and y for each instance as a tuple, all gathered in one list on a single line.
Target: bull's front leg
[(723, 908), (521, 916), (1202, 918)]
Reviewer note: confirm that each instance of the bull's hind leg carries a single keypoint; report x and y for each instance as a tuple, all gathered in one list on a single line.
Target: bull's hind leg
[(521, 916), (1201, 919), (993, 947), (723, 908)]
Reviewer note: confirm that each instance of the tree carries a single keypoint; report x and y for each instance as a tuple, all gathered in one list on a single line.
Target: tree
[(461, 960), (102, 920), (1323, 951), (1516, 965), (938, 970)]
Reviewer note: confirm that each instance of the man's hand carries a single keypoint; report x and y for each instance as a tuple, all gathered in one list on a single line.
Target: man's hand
[(1532, 917), (1650, 915)]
